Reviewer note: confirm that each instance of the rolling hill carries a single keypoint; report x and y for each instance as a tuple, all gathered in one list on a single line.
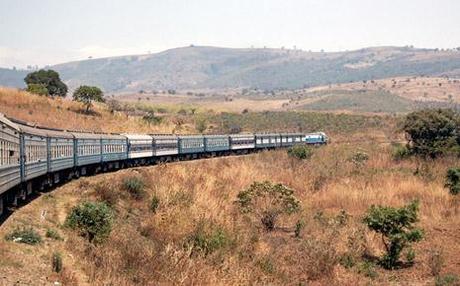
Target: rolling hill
[(219, 68)]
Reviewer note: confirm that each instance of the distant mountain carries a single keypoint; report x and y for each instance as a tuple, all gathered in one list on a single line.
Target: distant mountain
[(14, 78), (217, 68)]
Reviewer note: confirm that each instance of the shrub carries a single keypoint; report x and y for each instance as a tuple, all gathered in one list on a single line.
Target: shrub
[(367, 268), (207, 239), (396, 225), (57, 262), (154, 203), (301, 152), (135, 187), (51, 233), (266, 265), (92, 220), (25, 235), (401, 152), (453, 180), (359, 158), (267, 202)]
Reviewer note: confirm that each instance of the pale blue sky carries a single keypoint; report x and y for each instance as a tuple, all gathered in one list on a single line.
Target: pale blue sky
[(41, 32)]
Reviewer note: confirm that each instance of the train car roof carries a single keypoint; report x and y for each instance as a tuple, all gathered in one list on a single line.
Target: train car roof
[(137, 136), (83, 135), (215, 135), (268, 134), (190, 136), (6, 121), (113, 136), (242, 135), (164, 136)]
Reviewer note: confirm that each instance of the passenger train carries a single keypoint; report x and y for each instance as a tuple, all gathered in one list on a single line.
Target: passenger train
[(33, 158)]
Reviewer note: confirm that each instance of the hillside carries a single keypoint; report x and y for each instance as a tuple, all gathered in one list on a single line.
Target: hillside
[(198, 236), (194, 68)]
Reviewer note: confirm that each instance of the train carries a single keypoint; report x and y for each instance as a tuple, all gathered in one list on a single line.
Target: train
[(33, 158)]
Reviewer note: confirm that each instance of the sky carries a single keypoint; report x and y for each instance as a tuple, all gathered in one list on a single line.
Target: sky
[(46, 32)]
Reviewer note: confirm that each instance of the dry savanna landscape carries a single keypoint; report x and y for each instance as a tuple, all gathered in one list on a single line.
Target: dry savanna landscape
[(261, 142), (279, 217)]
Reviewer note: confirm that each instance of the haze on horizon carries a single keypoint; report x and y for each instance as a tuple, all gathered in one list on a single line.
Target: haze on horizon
[(51, 31)]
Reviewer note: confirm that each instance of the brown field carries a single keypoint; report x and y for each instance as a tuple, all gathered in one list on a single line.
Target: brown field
[(148, 248), (413, 88), (66, 114), (217, 103)]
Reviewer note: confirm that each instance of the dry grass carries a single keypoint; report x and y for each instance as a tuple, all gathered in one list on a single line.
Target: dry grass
[(65, 114), (197, 198), (413, 88)]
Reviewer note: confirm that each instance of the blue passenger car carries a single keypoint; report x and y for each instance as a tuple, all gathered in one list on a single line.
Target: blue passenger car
[(34, 144), (215, 143), (269, 140), (114, 147), (191, 144), (60, 150), (87, 148), (10, 167)]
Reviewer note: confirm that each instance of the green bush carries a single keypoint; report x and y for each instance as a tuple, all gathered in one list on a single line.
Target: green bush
[(301, 152), (135, 187), (453, 180), (396, 225), (154, 204), (25, 235), (206, 239), (267, 202), (51, 233), (92, 220), (400, 152), (367, 268), (57, 262)]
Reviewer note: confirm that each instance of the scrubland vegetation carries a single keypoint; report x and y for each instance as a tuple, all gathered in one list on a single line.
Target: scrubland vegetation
[(202, 222), (363, 210)]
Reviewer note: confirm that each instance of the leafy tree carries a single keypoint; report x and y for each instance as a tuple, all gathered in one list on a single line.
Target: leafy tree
[(48, 79), (453, 180), (432, 132), (39, 89), (396, 225), (267, 202), (88, 94), (92, 220)]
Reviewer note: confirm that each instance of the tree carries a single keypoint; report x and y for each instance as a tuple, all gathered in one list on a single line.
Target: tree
[(267, 202), (49, 79), (432, 132), (88, 94), (396, 225)]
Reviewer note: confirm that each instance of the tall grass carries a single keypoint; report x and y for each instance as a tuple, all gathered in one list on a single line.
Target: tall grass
[(198, 236)]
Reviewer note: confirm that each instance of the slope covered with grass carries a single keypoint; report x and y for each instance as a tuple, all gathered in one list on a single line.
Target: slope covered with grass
[(197, 234)]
